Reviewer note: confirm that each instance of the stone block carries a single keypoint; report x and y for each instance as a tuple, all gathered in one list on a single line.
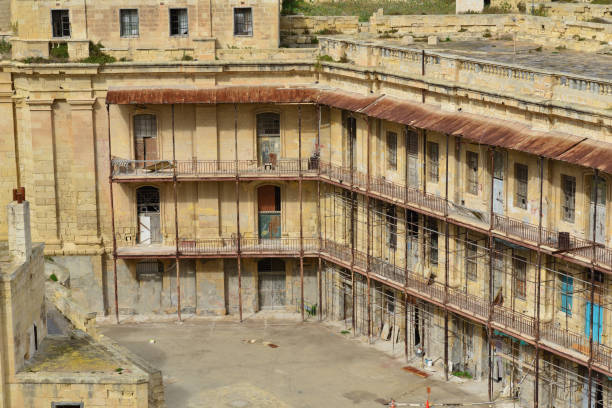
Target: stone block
[(432, 40)]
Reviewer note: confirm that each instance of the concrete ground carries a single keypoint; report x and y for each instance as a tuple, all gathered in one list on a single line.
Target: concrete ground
[(220, 363)]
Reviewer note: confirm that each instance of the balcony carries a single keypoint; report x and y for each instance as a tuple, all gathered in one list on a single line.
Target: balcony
[(503, 226)]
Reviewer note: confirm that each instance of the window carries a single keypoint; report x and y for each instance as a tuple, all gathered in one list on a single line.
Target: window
[(60, 23), (521, 177), (179, 22), (269, 210), (412, 152), (243, 21), (520, 277), (472, 172), (413, 223), (433, 165), (432, 226), (568, 200), (392, 150), (567, 293), (391, 227), (66, 405), (471, 255), (390, 298), (128, 19), (147, 270)]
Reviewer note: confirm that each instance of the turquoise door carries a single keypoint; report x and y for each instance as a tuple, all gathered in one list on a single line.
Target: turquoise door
[(597, 321)]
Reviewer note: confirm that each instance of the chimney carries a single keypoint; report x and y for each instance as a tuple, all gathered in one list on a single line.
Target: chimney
[(20, 239)]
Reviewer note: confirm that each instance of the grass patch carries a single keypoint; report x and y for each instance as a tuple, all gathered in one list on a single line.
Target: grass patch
[(601, 2), (487, 34), (345, 332), (97, 56), (59, 51), (365, 8), (325, 58), (186, 57), (53, 277), (462, 374)]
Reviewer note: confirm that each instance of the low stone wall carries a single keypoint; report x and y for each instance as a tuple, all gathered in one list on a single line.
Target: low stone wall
[(280, 54), (303, 30), (548, 32)]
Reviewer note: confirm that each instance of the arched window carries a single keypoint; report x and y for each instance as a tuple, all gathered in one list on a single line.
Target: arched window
[(145, 138), (268, 138), (269, 211), (148, 208)]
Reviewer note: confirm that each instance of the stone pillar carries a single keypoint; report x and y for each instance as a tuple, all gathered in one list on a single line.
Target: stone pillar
[(44, 195), (8, 157), (84, 172), (20, 240)]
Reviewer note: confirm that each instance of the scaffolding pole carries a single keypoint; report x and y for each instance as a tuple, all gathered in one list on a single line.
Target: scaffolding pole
[(406, 242), (301, 216), (318, 154), (491, 245), (352, 226), (536, 391), (368, 228), (176, 233), (238, 257), (446, 260), (592, 280), (112, 207)]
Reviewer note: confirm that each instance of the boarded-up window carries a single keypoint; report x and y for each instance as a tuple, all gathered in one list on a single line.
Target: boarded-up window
[(472, 172), (433, 161), (392, 150), (521, 177), (520, 277), (269, 209), (471, 257), (568, 205), (145, 137)]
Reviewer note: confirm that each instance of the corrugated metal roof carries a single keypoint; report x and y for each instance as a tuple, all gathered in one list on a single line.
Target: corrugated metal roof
[(476, 128)]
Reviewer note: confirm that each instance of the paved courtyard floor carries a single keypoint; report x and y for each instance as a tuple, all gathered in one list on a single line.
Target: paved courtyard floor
[(268, 362)]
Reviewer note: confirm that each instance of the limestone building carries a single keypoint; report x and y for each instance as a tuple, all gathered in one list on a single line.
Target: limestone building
[(459, 205)]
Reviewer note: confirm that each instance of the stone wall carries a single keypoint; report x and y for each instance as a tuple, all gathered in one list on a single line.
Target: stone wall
[(303, 30)]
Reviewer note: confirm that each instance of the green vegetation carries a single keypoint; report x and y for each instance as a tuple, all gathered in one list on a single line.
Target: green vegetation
[(345, 332), (325, 58), (487, 34), (601, 2), (327, 31), (97, 56), (365, 8), (5, 47), (590, 20), (36, 60), (59, 51), (560, 47), (53, 277), (186, 57), (462, 374), (540, 11)]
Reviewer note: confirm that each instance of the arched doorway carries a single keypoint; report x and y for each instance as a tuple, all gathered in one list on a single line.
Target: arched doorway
[(148, 208), (269, 212), (272, 290)]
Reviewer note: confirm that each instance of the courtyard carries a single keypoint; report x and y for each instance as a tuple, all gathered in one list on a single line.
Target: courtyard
[(270, 362)]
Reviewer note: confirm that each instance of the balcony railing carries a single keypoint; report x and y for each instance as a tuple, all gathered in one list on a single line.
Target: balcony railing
[(565, 338), (503, 224)]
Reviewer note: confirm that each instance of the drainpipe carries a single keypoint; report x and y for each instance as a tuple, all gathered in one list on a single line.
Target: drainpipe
[(112, 206)]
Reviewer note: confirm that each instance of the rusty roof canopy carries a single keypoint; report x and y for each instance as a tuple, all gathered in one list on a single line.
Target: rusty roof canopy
[(476, 128)]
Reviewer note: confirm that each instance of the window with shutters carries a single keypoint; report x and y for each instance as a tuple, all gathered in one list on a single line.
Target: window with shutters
[(519, 266), (521, 179), (392, 150), (568, 204), (128, 22), (243, 21), (391, 227), (432, 227), (433, 162), (567, 293), (179, 24), (60, 23), (412, 152), (145, 138), (471, 257), (472, 172)]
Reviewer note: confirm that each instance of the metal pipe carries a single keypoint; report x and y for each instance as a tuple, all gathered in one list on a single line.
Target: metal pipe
[(446, 260), (318, 150), (176, 233), (592, 280), (237, 192), (491, 250), (536, 391), (301, 215), (112, 207), (368, 227)]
